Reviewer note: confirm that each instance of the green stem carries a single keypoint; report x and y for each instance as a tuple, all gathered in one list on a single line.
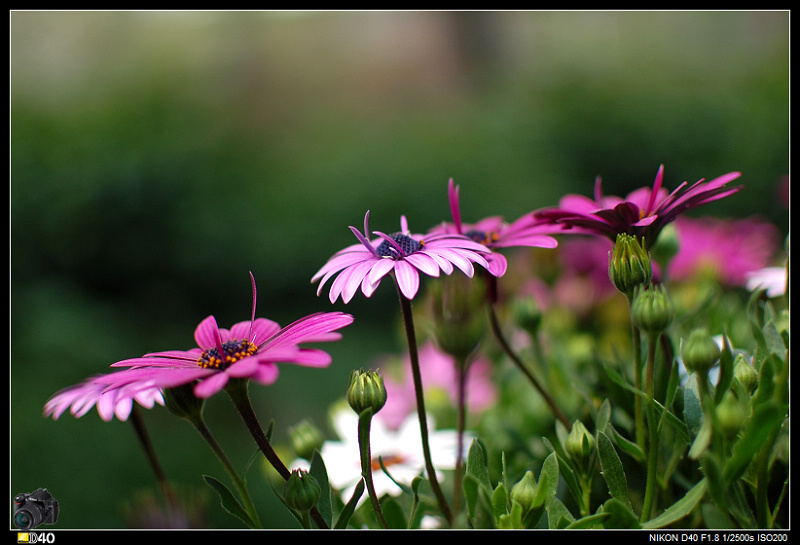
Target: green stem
[(200, 425), (462, 416), (408, 321), (237, 391), (652, 431), (147, 445), (637, 382), (498, 335), (364, 424)]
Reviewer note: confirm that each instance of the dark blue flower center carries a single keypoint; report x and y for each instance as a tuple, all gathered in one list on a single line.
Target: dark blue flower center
[(481, 237), (407, 244), (232, 351)]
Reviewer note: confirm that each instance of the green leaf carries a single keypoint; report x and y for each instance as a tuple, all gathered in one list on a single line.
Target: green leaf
[(393, 514), (477, 465), (627, 446), (500, 500), (620, 516), (603, 416), (228, 501), (692, 409), (566, 470), (767, 418), (612, 470), (558, 516), (679, 509), (320, 473), (588, 521), (478, 503), (548, 482), (350, 507)]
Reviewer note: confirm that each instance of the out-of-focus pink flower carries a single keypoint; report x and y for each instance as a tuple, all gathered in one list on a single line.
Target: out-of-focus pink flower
[(643, 213), (493, 232), (366, 263), (438, 372), (728, 249), (118, 402)]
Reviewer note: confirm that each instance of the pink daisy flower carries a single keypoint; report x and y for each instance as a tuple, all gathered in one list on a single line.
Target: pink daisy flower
[(494, 232), (643, 213), (248, 350), (118, 402), (728, 249), (404, 254)]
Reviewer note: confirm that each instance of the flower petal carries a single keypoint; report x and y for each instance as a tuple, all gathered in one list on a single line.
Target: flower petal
[(407, 278), (211, 385)]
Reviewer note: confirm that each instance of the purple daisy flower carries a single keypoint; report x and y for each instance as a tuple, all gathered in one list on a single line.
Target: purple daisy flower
[(406, 255), (248, 350), (110, 402), (643, 213), (494, 232)]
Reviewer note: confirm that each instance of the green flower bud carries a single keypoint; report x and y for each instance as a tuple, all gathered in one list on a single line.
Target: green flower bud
[(458, 318), (651, 309), (579, 446), (527, 314), (182, 402), (306, 438), (745, 373), (524, 492), (629, 264), (301, 491), (366, 391), (731, 416), (700, 352)]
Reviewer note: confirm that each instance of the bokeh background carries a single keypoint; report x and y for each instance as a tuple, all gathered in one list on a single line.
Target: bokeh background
[(157, 157)]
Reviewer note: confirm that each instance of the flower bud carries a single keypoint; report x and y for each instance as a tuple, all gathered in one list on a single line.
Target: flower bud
[(731, 416), (524, 492), (458, 318), (651, 309), (745, 373), (629, 264), (182, 402), (301, 491), (700, 352), (579, 446), (306, 438), (366, 391), (527, 314)]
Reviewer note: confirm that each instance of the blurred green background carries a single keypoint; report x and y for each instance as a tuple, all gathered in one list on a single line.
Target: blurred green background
[(157, 157)]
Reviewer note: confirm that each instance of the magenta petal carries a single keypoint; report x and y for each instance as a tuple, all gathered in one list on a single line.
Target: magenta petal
[(312, 357), (211, 385), (243, 368), (380, 269), (263, 329), (407, 279), (266, 374), (424, 263), (498, 265), (207, 334)]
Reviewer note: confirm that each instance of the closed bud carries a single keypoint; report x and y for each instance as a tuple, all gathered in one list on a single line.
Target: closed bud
[(731, 416), (745, 373), (699, 352), (527, 314), (182, 402), (301, 491), (306, 438), (651, 309), (579, 445), (524, 492), (457, 313), (366, 391), (629, 264)]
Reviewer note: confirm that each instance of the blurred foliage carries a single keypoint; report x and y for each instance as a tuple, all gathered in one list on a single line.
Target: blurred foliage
[(156, 157)]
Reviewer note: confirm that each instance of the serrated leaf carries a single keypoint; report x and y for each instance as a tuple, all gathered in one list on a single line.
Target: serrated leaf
[(228, 501), (612, 470)]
